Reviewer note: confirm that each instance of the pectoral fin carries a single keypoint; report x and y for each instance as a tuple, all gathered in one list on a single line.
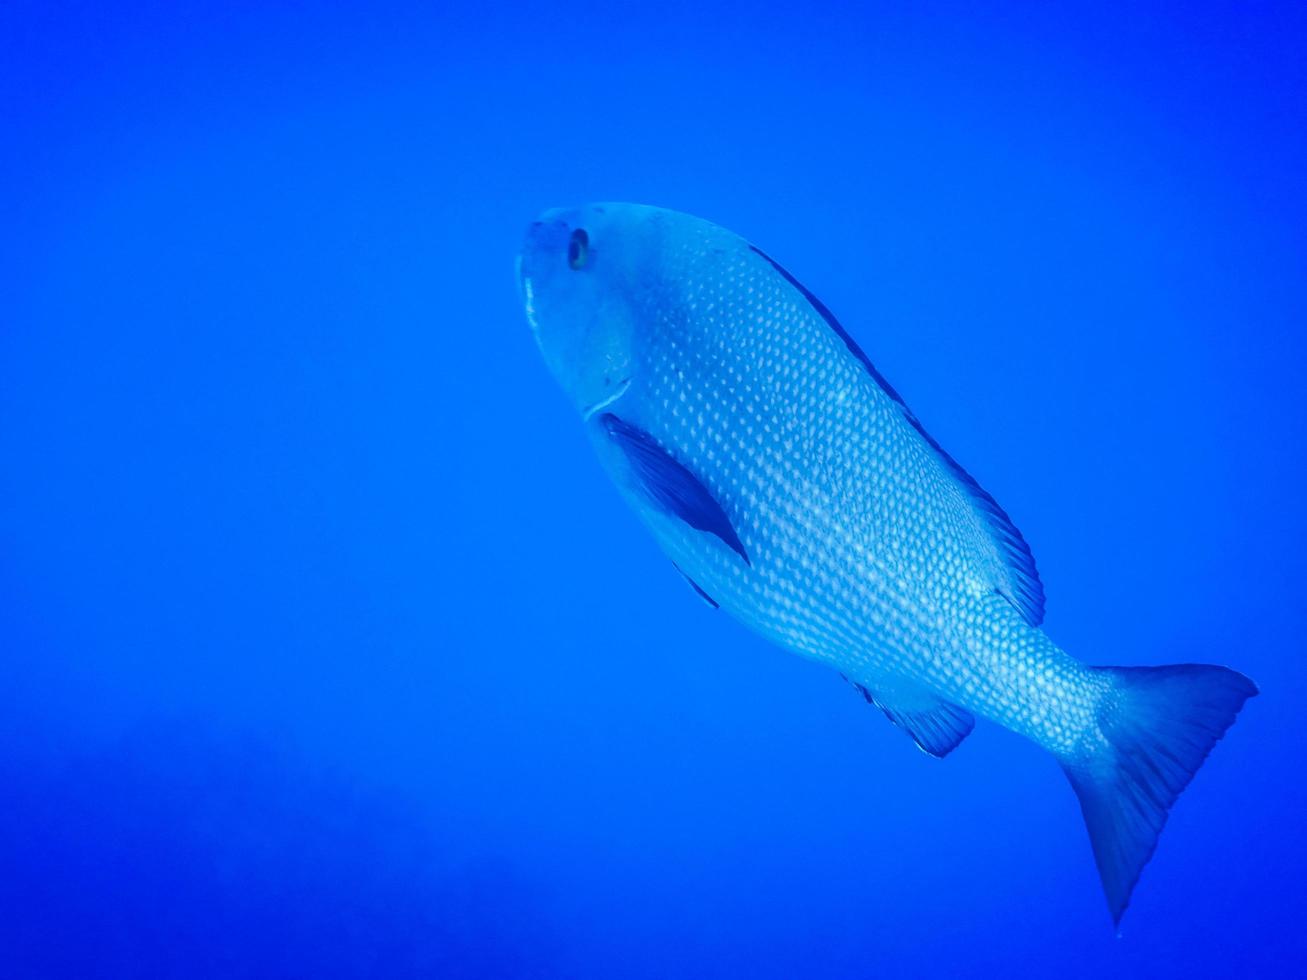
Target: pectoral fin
[(669, 484), (936, 726)]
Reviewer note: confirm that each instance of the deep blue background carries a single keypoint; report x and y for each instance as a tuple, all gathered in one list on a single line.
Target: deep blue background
[(326, 648)]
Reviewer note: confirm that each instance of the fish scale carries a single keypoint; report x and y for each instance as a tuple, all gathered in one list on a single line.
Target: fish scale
[(857, 562), (789, 482)]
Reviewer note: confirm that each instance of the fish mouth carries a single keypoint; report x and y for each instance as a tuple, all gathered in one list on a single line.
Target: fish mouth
[(528, 301), (590, 411)]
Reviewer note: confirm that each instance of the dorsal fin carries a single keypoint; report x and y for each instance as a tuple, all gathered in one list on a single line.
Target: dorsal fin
[(669, 484), (937, 727), (1025, 591)]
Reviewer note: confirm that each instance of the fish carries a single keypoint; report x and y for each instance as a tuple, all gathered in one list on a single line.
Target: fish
[(794, 489)]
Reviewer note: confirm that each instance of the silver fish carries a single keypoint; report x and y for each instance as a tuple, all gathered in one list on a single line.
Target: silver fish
[(793, 487)]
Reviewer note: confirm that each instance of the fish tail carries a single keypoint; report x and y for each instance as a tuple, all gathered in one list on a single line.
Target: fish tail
[(1155, 728)]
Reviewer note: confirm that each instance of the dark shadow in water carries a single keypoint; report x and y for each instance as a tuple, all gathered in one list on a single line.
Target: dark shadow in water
[(175, 852)]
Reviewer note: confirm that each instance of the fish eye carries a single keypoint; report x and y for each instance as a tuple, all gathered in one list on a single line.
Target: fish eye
[(578, 248)]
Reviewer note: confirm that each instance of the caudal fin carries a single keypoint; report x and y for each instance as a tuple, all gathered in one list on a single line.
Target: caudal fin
[(1157, 726)]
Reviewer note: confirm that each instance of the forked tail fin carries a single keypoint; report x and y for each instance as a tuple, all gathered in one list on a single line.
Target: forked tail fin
[(1158, 724)]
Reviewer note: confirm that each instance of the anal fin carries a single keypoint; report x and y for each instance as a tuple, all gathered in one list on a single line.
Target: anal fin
[(936, 726)]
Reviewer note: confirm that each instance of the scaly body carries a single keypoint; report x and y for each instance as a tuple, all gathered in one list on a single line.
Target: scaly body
[(794, 488), (866, 550)]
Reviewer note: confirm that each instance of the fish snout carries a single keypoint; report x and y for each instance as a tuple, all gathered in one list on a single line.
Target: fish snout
[(544, 246), (549, 231), (552, 230)]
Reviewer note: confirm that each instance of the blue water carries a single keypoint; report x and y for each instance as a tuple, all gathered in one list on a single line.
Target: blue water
[(327, 650)]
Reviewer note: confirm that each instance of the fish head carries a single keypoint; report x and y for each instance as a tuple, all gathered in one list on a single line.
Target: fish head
[(601, 283), (577, 271)]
